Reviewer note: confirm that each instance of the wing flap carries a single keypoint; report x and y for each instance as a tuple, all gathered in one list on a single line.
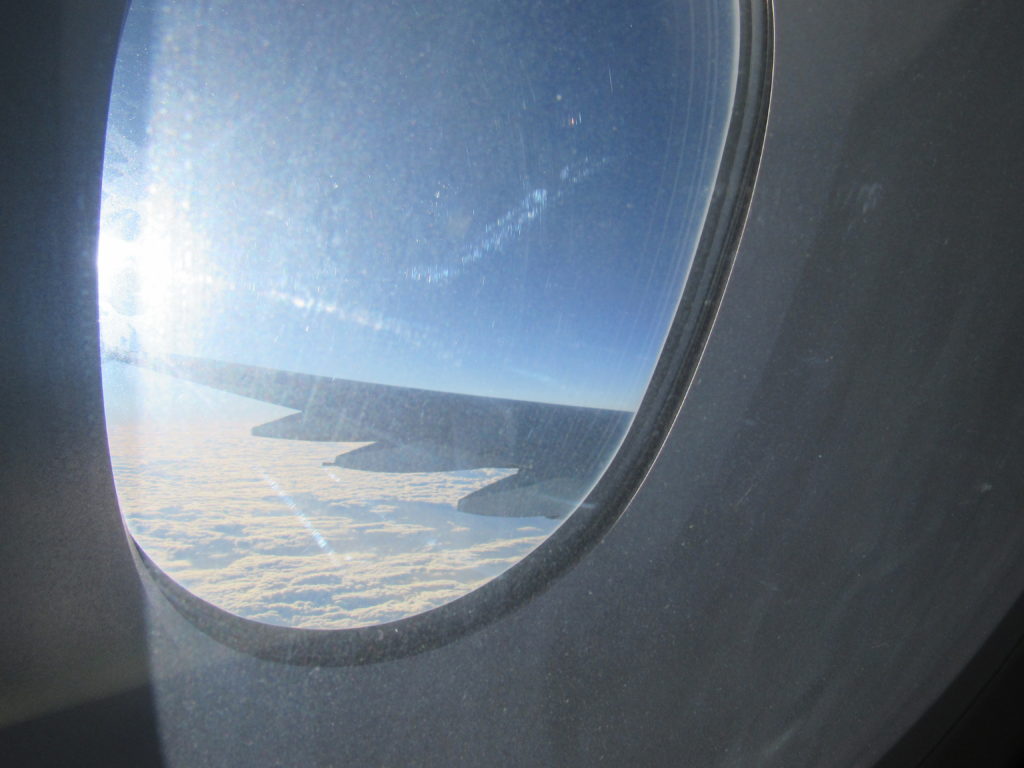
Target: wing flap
[(316, 426)]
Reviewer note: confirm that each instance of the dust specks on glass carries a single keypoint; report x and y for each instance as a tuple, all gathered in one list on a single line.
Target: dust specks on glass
[(382, 285)]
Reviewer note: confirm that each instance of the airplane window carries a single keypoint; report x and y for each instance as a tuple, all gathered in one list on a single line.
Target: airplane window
[(384, 284)]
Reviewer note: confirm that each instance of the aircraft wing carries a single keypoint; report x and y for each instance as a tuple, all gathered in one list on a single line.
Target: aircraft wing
[(558, 450)]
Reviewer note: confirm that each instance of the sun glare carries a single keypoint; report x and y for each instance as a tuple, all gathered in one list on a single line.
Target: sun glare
[(138, 284)]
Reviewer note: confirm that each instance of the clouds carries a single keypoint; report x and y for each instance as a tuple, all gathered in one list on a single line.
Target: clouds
[(258, 527)]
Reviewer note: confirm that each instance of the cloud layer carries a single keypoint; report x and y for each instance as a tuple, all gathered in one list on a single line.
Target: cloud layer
[(260, 528)]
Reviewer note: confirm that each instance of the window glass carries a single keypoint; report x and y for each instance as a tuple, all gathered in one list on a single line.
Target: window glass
[(382, 284)]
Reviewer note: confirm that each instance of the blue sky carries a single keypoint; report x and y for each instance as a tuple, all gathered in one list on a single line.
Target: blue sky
[(479, 197)]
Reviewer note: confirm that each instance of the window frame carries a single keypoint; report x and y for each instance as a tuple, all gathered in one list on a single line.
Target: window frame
[(583, 529)]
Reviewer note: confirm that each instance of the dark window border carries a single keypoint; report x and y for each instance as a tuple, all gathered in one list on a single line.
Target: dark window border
[(672, 376)]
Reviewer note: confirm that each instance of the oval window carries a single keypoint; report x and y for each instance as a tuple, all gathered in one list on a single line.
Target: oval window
[(383, 284)]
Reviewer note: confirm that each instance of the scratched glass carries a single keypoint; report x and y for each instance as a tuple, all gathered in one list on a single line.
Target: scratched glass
[(382, 285)]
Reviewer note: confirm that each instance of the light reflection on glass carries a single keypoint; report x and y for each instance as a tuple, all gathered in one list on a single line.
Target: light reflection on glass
[(486, 211)]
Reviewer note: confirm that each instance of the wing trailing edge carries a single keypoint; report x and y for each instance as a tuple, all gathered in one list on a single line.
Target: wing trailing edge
[(558, 450)]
